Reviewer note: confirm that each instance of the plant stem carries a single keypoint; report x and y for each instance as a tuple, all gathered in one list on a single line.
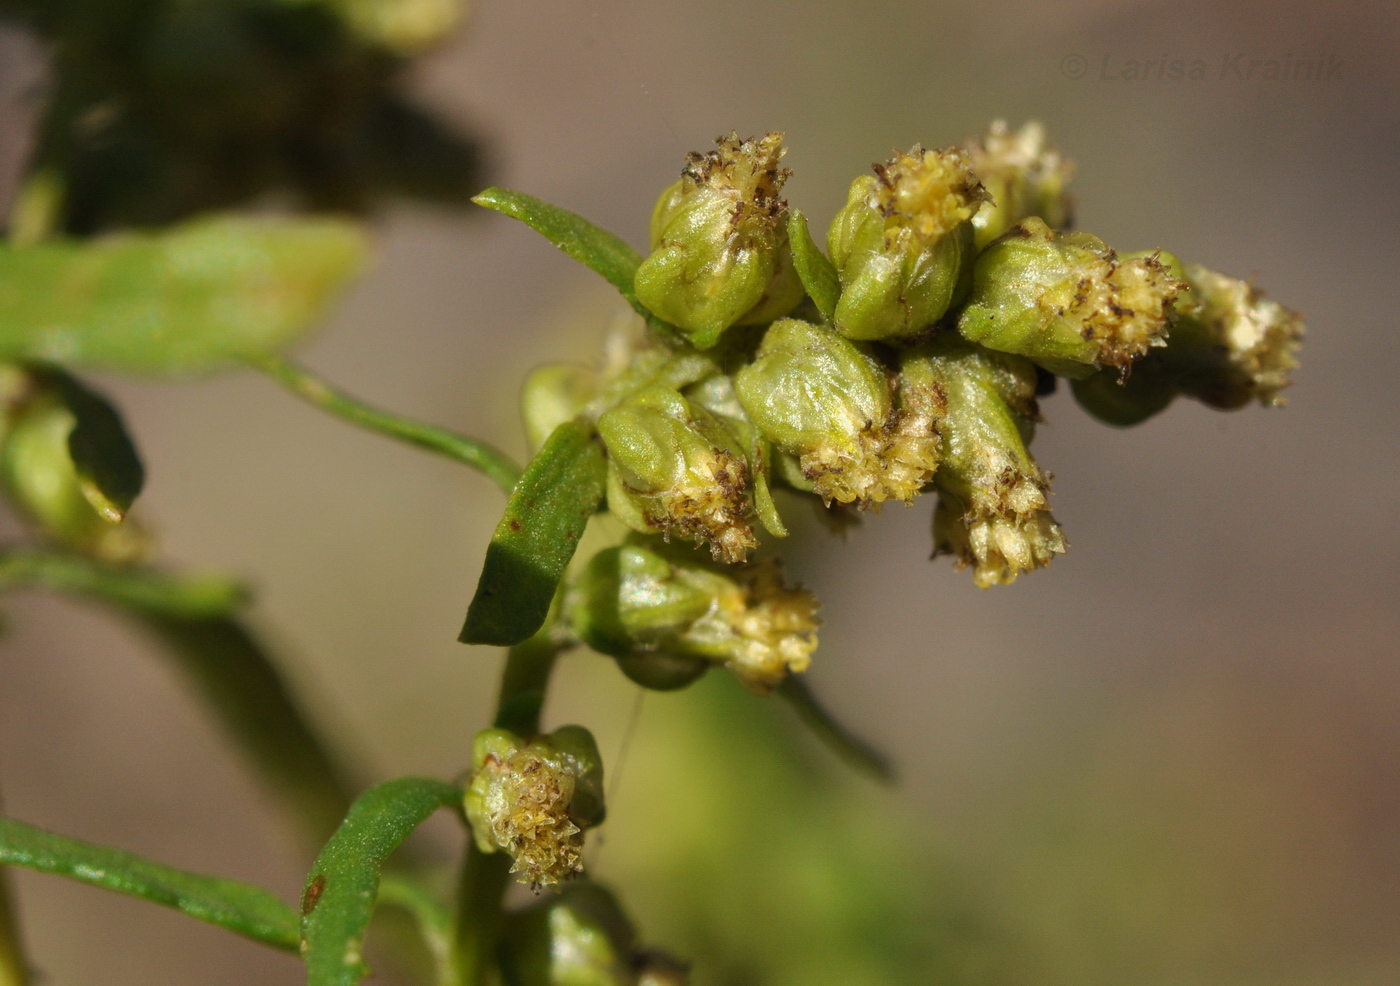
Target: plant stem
[(484, 876), (14, 968), (495, 464)]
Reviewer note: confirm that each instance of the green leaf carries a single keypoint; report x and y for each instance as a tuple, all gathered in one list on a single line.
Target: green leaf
[(818, 275), (144, 589), (840, 740), (343, 885), (562, 487), (194, 298), (590, 245), (240, 907), (108, 466)]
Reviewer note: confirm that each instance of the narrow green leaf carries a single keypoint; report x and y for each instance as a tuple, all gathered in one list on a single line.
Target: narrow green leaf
[(103, 454), (240, 907), (590, 245), (841, 741), (817, 273), (194, 298), (343, 885), (562, 487), (145, 589)]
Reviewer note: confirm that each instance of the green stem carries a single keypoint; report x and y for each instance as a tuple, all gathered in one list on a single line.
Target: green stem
[(14, 968), (495, 464), (484, 876)]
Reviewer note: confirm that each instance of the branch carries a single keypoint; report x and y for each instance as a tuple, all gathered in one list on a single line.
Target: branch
[(485, 458)]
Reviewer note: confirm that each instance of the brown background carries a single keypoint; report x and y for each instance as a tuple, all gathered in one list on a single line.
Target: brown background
[(1172, 757)]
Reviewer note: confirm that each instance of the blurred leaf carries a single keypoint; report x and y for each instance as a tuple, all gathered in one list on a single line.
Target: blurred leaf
[(816, 271), (232, 672), (196, 298), (548, 509), (108, 466), (343, 885), (144, 589), (194, 618), (590, 245), (240, 907), (840, 740)]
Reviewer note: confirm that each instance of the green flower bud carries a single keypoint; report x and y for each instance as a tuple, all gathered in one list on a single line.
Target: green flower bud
[(817, 397), (1023, 175), (1234, 344), (1067, 301), (673, 467), (553, 395), (42, 482), (579, 938), (533, 799), (993, 511), (1124, 402), (1230, 345), (667, 618), (718, 239), (902, 243)]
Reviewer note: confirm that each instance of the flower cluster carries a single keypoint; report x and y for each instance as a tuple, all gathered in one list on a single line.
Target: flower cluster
[(908, 361)]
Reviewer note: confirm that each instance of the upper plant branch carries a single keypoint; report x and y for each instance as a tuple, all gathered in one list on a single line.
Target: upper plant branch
[(481, 456)]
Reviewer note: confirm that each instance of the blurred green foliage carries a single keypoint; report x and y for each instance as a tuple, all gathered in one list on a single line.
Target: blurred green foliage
[(159, 109)]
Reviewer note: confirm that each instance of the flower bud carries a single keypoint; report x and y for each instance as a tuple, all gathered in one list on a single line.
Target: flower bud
[(667, 618), (533, 799), (902, 243), (579, 938), (552, 395), (817, 397), (41, 480), (718, 236), (1233, 345), (993, 511), (1023, 175), (1127, 401), (1067, 301), (673, 467)]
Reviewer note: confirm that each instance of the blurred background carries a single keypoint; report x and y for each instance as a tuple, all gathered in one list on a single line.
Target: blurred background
[(1172, 757)]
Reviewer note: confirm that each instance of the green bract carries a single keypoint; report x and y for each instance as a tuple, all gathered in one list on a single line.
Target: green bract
[(902, 243), (666, 617), (674, 467), (719, 242), (817, 397), (993, 511), (533, 798), (1067, 301)]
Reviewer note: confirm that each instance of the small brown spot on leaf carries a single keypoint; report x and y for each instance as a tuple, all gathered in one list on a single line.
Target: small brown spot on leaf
[(312, 896), (514, 524)]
